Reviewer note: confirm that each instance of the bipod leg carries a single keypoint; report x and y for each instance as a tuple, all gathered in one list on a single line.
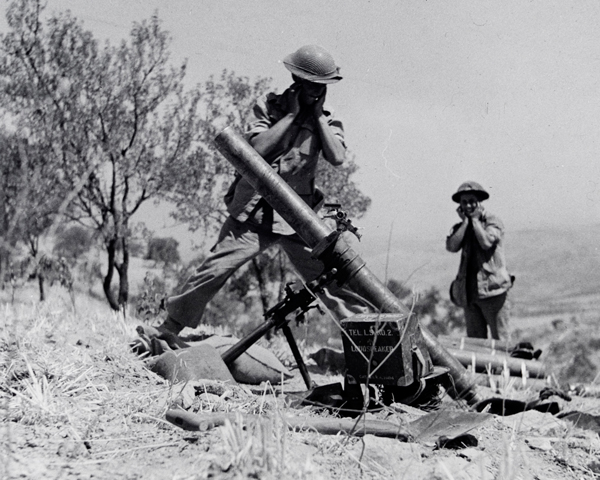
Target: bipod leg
[(245, 343), (287, 331)]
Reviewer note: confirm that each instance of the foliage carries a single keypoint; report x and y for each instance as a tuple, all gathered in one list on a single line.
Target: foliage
[(89, 273), (72, 242), (198, 186), (339, 188), (163, 250), (117, 128), (150, 302), (114, 121), (140, 236), (30, 196), (53, 269), (272, 271), (438, 313), (574, 355)]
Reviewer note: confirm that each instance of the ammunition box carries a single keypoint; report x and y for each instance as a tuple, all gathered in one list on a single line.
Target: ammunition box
[(385, 349)]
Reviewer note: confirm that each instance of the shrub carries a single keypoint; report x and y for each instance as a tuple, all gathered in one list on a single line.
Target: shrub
[(439, 314), (163, 250), (150, 302), (72, 243)]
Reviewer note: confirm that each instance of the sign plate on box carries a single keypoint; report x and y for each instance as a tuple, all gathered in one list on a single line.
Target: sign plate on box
[(375, 348)]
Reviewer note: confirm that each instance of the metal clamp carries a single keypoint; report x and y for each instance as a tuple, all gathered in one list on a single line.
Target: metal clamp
[(343, 223)]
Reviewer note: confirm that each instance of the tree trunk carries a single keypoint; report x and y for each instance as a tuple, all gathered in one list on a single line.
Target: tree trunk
[(281, 258), (111, 249), (3, 265), (123, 270), (41, 266), (40, 277), (262, 288), (262, 284)]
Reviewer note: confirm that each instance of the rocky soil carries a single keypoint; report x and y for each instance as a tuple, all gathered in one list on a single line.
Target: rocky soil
[(78, 404)]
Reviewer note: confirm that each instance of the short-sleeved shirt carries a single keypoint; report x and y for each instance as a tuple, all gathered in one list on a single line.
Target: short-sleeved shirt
[(296, 162), (484, 270)]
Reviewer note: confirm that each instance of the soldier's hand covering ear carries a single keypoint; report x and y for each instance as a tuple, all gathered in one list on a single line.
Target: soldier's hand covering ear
[(294, 99), (318, 105), (477, 213)]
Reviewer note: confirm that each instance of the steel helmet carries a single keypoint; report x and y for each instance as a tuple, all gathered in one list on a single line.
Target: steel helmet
[(471, 187), (313, 63)]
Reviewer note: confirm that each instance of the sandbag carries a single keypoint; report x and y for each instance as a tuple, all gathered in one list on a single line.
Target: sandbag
[(255, 365), (200, 362)]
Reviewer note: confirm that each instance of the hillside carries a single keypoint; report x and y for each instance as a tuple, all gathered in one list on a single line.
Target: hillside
[(556, 270), (76, 403)]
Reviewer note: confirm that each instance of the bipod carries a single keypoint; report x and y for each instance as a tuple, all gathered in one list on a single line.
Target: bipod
[(301, 301)]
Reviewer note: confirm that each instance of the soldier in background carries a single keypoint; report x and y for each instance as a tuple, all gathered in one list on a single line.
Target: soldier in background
[(482, 284)]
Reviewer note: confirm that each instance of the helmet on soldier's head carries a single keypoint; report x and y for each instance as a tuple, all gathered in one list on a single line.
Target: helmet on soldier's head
[(313, 63), (471, 187)]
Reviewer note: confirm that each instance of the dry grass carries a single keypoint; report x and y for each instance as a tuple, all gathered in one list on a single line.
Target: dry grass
[(74, 401), (73, 375)]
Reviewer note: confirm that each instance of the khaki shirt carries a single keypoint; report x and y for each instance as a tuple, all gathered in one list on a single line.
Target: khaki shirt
[(295, 162), (482, 273)]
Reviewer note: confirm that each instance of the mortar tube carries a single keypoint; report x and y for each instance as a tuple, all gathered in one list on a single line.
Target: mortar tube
[(314, 231)]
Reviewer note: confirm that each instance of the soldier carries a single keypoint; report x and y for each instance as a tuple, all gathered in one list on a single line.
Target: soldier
[(291, 131), (482, 283)]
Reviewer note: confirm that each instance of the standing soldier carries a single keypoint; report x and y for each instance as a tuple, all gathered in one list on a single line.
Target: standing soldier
[(482, 283), (291, 131)]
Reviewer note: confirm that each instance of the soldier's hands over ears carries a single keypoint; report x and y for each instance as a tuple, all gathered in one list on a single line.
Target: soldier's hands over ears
[(318, 105)]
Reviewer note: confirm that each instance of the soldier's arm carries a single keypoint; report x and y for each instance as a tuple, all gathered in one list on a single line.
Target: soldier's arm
[(455, 239), (279, 134), (487, 236), (334, 150)]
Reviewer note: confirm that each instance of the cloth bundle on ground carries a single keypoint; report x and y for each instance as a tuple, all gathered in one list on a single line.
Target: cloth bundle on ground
[(254, 366), (200, 362)]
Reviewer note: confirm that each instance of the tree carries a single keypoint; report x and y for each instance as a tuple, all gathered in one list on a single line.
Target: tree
[(197, 188), (72, 242), (163, 250), (12, 198), (30, 199), (338, 187), (117, 125), (115, 121)]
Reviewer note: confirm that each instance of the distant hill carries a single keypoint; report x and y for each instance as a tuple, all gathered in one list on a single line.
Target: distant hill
[(556, 269)]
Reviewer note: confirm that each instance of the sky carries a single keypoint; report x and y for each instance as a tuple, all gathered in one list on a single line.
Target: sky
[(434, 93)]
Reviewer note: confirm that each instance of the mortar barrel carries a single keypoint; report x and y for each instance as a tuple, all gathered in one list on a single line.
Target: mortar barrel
[(313, 231)]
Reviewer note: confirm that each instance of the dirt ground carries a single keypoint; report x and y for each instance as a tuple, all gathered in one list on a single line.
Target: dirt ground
[(78, 404)]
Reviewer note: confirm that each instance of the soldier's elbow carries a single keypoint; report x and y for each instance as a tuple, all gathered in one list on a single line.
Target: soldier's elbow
[(451, 247)]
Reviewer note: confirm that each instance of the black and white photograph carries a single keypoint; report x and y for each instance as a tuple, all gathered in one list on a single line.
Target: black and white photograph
[(299, 239)]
